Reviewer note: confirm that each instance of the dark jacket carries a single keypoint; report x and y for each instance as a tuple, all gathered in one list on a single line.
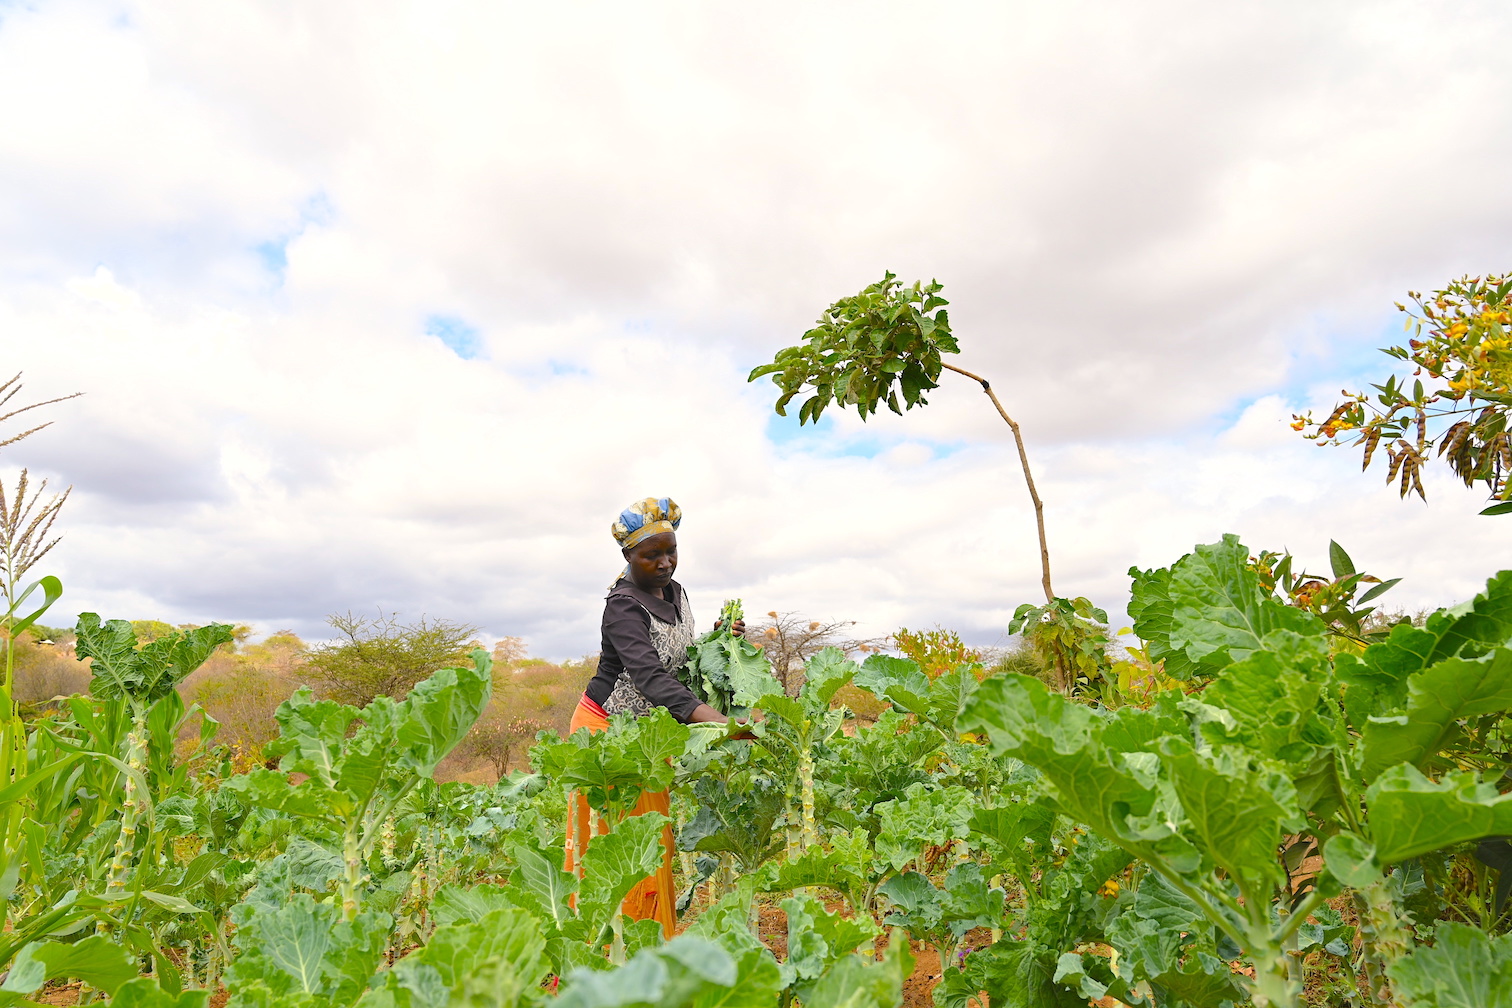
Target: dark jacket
[(626, 647)]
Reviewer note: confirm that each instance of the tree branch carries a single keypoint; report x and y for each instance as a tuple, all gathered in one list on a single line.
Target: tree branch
[(1018, 439)]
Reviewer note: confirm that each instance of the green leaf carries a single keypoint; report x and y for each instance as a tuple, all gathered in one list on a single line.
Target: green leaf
[(969, 901), (1438, 698), (857, 982), (1023, 719), (441, 710), (1238, 808), (540, 884), (1211, 609), (1274, 694), (1339, 560), (736, 817), (1498, 509), (843, 867), (171, 903), (916, 905), (144, 992), (817, 939), (1020, 973), (687, 972), (1465, 968), (824, 674), (456, 904), (1351, 860), (921, 817), (52, 590), (500, 957), (302, 947), (1009, 826), (145, 674), (1379, 590), (96, 960), (615, 861), (1411, 815)]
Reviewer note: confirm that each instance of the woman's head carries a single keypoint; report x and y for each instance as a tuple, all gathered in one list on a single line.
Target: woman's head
[(646, 532), (653, 561)]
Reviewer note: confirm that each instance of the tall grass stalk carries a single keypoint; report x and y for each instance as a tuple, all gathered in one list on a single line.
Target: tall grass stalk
[(26, 520)]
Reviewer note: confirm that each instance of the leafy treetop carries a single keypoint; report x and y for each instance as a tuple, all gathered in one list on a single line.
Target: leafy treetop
[(863, 346)]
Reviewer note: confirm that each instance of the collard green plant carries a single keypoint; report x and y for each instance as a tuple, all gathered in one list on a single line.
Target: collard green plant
[(1465, 968), (1355, 750), (140, 679), (726, 671), (359, 764)]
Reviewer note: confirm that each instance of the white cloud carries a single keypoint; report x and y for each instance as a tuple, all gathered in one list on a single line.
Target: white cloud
[(230, 223)]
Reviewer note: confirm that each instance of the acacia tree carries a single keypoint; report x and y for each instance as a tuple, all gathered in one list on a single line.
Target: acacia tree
[(790, 639), (1462, 340), (381, 656), (884, 347)]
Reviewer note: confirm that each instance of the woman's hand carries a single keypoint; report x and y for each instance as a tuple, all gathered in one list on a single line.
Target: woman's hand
[(737, 628)]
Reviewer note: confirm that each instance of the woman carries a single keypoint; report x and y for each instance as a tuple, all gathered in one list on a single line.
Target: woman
[(645, 633)]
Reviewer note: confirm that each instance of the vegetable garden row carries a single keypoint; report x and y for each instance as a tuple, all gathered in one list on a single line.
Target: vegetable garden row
[(1292, 811)]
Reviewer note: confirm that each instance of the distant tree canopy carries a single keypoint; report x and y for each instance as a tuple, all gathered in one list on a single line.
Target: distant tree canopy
[(381, 656)]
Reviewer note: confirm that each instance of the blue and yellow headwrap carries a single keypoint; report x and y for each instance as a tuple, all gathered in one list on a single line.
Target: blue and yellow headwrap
[(644, 519)]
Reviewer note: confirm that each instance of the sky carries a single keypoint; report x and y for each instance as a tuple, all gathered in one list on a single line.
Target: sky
[(394, 305)]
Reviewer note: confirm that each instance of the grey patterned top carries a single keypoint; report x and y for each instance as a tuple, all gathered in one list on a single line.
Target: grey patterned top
[(645, 643)]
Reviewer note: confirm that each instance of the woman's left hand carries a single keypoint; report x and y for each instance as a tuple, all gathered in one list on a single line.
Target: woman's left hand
[(737, 628)]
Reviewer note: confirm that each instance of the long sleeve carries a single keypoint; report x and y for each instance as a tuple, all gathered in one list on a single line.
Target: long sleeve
[(627, 644)]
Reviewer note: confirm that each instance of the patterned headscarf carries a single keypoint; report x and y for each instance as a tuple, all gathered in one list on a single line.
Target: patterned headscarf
[(644, 519)]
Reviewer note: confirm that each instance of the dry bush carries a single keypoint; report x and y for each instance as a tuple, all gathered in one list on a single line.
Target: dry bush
[(45, 671), (530, 695), (500, 738), (790, 639), (380, 656), (242, 688)]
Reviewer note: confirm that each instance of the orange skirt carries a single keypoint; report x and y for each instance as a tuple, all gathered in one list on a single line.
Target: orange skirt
[(653, 898)]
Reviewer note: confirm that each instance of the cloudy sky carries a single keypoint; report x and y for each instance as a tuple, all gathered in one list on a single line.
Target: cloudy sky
[(387, 304)]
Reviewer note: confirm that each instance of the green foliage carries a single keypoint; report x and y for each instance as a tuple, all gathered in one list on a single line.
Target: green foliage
[(96, 960), (937, 701), (497, 959), (1071, 638), (687, 972), (142, 674), (727, 672), (304, 953), (1465, 968), (1207, 610), (866, 350), (381, 656)]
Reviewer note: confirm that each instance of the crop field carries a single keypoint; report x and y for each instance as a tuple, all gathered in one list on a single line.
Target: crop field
[(1262, 809)]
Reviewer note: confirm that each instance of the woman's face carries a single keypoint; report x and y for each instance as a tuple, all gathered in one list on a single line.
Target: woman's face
[(653, 561)]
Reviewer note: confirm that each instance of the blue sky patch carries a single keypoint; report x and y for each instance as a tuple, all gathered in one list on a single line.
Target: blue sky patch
[(463, 339), (274, 256), (822, 439)]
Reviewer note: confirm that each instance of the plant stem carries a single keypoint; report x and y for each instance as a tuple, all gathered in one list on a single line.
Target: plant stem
[(351, 852), (1023, 454), (617, 943), (131, 807), (806, 792), (1382, 940)]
